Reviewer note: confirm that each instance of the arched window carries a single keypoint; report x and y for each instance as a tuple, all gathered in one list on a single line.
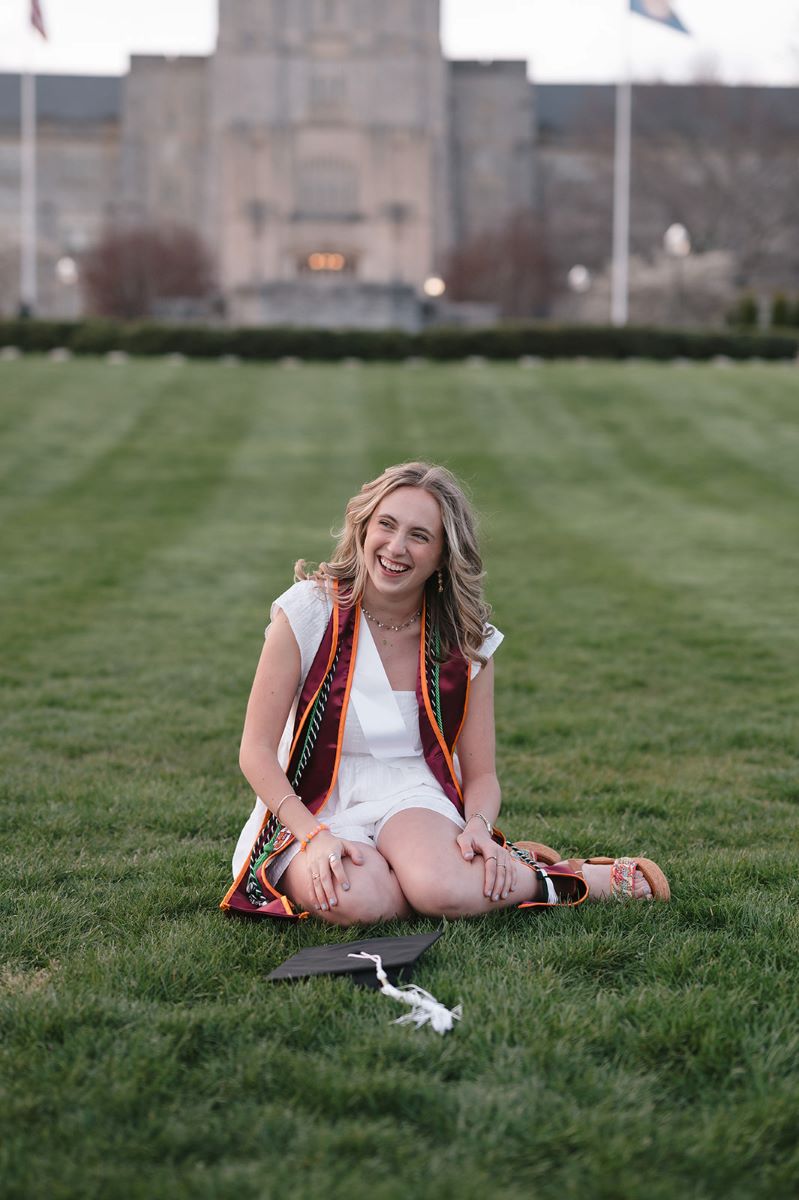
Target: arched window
[(327, 187)]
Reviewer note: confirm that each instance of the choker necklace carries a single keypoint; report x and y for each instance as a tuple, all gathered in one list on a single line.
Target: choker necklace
[(393, 628)]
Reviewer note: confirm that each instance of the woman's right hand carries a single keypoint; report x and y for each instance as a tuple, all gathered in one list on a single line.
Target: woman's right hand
[(325, 856)]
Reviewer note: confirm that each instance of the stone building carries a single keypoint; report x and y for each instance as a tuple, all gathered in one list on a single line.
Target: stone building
[(325, 153), (332, 160), (78, 161)]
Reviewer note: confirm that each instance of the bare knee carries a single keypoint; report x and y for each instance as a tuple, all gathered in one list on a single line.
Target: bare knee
[(374, 895), (437, 880), (364, 910), (438, 895)]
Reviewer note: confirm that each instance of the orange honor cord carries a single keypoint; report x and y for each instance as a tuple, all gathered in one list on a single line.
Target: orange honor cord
[(429, 709), (549, 904), (225, 902), (342, 720)]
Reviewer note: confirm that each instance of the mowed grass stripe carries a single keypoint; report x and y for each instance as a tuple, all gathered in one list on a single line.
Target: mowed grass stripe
[(618, 499), (134, 495), (667, 655), (714, 521), (602, 1045), (55, 423)]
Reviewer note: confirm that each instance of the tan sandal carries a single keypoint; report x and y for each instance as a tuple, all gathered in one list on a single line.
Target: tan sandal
[(622, 876)]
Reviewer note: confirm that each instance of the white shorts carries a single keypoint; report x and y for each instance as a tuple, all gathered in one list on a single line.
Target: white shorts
[(351, 826)]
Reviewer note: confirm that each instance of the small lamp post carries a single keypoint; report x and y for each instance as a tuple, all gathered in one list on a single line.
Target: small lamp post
[(677, 246), (579, 279), (434, 287), (66, 270), (67, 274)]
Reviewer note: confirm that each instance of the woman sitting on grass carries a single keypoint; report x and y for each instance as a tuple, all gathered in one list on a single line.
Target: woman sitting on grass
[(374, 668)]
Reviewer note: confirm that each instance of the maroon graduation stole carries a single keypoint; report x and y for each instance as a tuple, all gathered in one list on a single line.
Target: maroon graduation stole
[(442, 692)]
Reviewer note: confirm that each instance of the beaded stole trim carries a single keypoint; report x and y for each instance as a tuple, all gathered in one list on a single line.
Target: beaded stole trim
[(432, 656), (274, 836)]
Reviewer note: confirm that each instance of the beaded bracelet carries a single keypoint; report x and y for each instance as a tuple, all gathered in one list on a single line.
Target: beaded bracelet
[(319, 829)]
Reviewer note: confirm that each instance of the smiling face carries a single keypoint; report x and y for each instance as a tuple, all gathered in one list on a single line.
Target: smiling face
[(403, 547)]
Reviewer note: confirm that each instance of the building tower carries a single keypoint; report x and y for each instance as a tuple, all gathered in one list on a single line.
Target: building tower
[(328, 158)]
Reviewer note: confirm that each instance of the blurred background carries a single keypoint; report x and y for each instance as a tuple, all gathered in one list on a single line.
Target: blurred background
[(392, 163)]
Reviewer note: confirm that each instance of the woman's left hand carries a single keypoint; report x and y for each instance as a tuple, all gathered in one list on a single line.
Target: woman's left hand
[(500, 866)]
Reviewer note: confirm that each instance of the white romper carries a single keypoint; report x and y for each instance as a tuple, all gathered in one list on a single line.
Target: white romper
[(382, 770)]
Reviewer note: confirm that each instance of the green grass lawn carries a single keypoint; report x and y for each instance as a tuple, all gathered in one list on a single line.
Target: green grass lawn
[(642, 544)]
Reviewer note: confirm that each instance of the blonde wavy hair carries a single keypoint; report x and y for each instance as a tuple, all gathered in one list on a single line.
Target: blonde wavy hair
[(459, 611)]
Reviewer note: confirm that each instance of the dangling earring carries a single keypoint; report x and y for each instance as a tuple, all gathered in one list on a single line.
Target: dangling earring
[(440, 581)]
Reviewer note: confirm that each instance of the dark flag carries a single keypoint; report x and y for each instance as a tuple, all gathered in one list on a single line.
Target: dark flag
[(660, 11), (37, 20)]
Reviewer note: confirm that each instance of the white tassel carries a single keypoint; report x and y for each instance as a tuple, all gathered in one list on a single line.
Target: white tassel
[(424, 1007)]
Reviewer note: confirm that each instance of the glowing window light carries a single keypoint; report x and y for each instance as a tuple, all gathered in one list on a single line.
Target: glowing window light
[(329, 261)]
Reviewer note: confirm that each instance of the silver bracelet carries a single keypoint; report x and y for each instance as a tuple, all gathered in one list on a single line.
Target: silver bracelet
[(485, 821), (283, 801)]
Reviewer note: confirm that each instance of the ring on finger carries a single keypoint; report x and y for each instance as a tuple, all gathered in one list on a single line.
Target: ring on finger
[(332, 858)]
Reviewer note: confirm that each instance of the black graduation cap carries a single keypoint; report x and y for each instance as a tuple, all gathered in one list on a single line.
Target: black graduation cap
[(398, 954)]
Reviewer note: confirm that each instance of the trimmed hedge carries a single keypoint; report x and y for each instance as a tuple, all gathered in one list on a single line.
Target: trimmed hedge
[(507, 341)]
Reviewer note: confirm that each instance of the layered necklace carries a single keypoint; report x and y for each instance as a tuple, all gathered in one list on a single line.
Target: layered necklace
[(393, 628)]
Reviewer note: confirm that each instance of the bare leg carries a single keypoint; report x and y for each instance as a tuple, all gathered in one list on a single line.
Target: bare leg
[(421, 849), (374, 893)]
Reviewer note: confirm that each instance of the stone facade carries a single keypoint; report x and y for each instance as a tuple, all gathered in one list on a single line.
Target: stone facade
[(331, 160), (326, 153), (78, 152), (327, 150), (492, 145), (163, 136)]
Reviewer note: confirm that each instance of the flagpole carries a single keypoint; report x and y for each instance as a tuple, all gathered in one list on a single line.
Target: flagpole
[(27, 168), (27, 288), (619, 304)]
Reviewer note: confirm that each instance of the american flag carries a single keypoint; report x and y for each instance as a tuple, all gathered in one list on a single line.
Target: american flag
[(37, 20)]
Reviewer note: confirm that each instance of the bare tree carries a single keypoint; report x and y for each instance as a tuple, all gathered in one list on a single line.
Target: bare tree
[(509, 267), (722, 161), (129, 271), (726, 167), (575, 183)]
